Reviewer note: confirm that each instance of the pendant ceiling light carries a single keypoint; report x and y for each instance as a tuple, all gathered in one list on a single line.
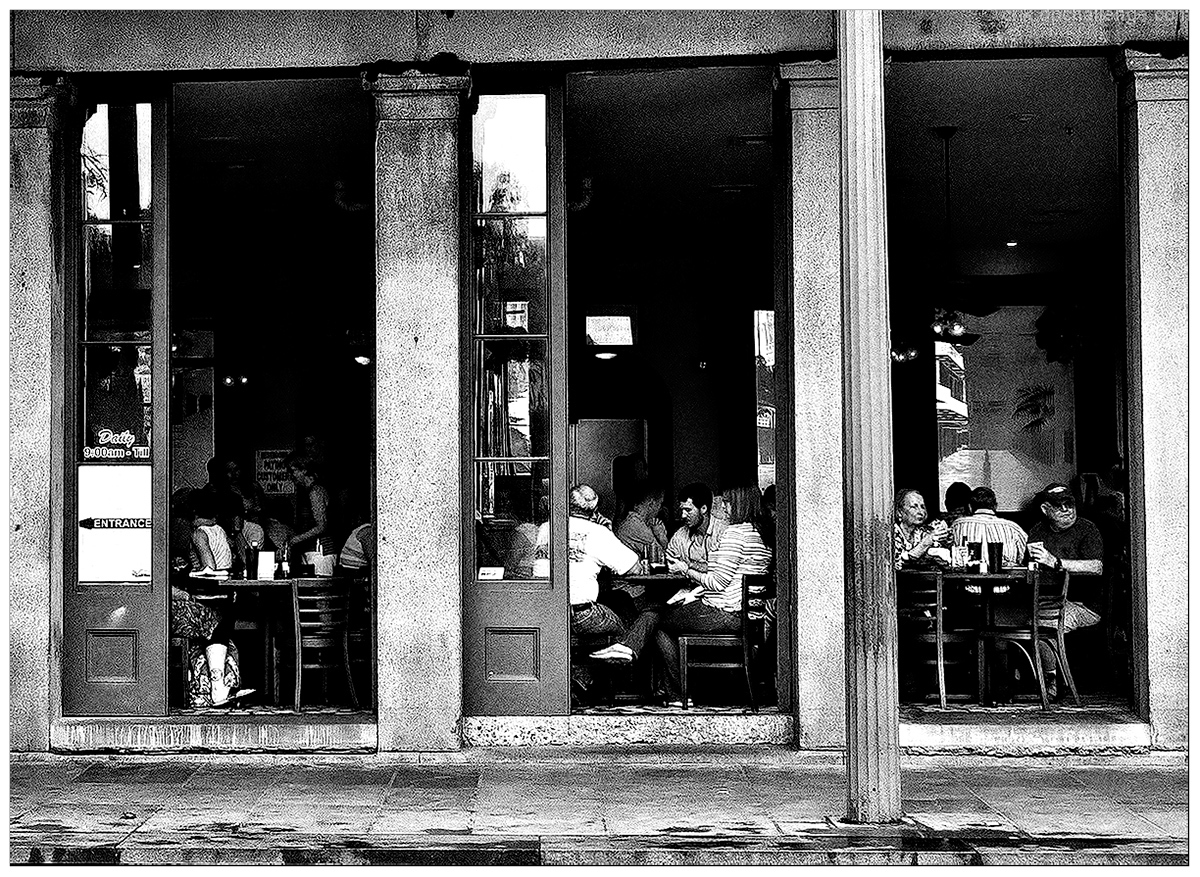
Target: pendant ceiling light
[(948, 324)]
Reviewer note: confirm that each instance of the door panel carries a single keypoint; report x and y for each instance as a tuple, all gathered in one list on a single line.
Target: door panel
[(515, 598), (116, 587)]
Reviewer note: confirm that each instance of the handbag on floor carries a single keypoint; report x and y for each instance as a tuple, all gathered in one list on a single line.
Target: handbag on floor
[(199, 681)]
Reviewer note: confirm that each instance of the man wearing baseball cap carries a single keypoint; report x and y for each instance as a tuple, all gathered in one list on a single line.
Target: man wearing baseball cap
[(1063, 541)]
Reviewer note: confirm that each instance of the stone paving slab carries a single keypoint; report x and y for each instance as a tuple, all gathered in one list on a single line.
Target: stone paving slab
[(613, 808)]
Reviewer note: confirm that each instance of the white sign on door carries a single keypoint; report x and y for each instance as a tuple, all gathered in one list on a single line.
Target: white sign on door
[(114, 523)]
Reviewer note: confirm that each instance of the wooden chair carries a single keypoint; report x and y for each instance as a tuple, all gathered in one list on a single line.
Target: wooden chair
[(361, 630), (322, 617), (921, 611), (756, 591), (1049, 606)]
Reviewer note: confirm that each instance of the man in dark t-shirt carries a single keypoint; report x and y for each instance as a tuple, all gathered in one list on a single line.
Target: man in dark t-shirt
[(1063, 540), (1060, 541)]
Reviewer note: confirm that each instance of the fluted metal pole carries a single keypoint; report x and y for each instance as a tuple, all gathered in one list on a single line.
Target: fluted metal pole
[(872, 709)]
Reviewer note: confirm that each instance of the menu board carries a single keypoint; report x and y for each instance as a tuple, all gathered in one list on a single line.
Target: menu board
[(274, 477), (114, 523)]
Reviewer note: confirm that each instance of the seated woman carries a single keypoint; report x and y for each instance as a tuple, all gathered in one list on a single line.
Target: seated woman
[(912, 536), (214, 677), (714, 603)]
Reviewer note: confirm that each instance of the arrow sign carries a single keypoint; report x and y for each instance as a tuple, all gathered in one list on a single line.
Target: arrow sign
[(115, 523)]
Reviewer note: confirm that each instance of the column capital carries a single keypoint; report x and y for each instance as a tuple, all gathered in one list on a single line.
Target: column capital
[(812, 85), (412, 94), (1151, 77), (38, 102)]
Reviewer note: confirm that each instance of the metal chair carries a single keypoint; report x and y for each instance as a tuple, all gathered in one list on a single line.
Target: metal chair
[(756, 591), (322, 617), (921, 610), (1050, 610)]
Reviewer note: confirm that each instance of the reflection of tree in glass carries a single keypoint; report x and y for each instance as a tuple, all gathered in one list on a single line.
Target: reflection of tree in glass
[(1034, 406), (95, 174), (507, 260)]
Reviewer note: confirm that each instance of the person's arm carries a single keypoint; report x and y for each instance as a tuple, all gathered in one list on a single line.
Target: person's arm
[(618, 556), (1093, 564), (723, 564), (203, 549), (677, 546), (660, 533), (318, 498), (917, 551)]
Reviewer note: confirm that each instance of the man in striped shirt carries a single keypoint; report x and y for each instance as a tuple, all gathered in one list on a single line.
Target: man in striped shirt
[(983, 525)]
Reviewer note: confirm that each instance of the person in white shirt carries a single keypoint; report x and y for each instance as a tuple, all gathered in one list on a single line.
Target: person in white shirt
[(591, 547)]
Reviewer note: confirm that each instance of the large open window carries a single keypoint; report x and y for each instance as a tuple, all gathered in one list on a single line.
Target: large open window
[(1008, 331)]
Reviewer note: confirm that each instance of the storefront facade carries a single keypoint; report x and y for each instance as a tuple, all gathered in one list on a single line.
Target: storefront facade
[(827, 253)]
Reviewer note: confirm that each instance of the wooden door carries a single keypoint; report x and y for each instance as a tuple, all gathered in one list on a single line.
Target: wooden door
[(515, 600), (116, 591)]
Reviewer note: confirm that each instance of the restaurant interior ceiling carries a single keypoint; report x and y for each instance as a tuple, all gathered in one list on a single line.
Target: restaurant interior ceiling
[(1034, 158)]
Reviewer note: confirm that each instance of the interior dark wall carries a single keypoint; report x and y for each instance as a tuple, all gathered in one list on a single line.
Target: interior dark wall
[(272, 248), (679, 226)]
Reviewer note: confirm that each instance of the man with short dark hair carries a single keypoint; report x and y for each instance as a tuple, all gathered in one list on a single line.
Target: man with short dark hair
[(983, 525), (697, 538)]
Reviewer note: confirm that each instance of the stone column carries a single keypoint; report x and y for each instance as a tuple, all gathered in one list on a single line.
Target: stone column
[(35, 283), (819, 650), (872, 709), (418, 241), (1154, 101)]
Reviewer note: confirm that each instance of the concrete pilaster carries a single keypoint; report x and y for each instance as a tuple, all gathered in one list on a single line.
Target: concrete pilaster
[(1154, 100), (36, 298), (872, 709), (418, 514), (819, 647)]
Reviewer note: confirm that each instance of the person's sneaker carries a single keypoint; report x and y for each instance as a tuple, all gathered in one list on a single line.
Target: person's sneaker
[(617, 653)]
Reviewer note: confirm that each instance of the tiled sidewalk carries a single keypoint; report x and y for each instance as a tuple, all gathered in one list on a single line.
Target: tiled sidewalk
[(749, 804)]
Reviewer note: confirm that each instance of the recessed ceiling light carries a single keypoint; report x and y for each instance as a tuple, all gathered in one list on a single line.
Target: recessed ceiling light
[(606, 354), (1010, 243), (1023, 117)]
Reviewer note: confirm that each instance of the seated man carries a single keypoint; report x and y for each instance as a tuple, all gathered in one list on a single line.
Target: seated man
[(591, 548), (983, 525), (697, 539), (1060, 541)]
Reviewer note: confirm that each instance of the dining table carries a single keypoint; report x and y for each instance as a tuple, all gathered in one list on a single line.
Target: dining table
[(282, 589), (1007, 583), (659, 586)]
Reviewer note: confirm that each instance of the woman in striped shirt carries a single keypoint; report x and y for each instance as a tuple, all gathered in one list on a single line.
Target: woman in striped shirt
[(714, 604)]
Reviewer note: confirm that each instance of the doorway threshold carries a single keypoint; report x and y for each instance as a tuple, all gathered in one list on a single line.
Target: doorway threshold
[(228, 731), (621, 726), (1098, 726)]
